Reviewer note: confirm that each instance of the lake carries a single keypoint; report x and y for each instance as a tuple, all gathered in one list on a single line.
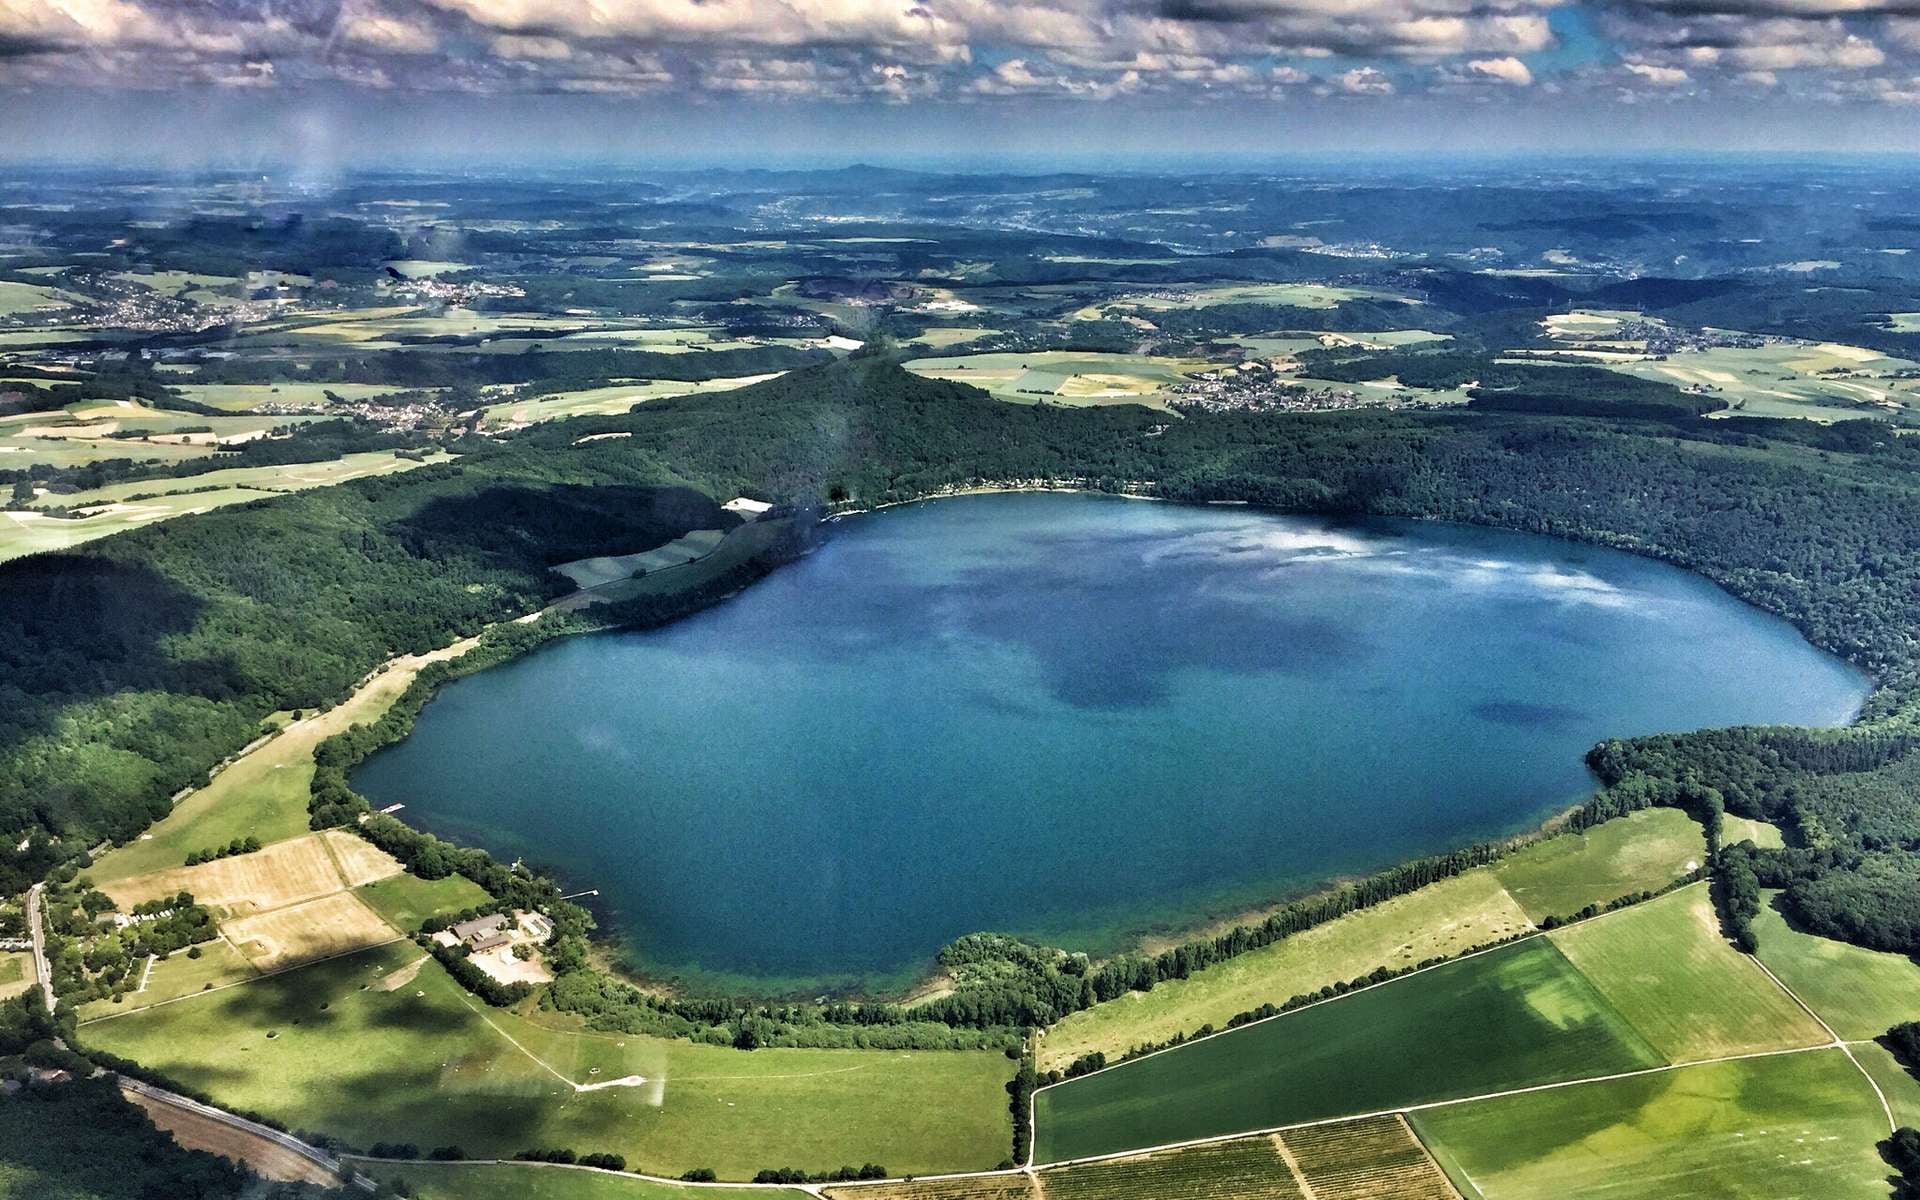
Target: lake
[(1077, 718)]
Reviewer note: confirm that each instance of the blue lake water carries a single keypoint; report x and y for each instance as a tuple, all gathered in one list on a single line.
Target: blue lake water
[(1077, 718)]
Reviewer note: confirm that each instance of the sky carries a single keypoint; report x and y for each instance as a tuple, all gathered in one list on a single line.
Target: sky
[(784, 81)]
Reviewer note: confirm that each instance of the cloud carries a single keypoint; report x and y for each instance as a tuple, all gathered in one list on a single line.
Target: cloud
[(1504, 70), (902, 51), (1658, 75), (1364, 81), (374, 29)]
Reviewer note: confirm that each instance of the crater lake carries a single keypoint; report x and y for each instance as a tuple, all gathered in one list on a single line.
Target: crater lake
[(1075, 718)]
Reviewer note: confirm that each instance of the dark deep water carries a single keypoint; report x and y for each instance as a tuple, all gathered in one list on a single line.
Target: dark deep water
[(1074, 717)]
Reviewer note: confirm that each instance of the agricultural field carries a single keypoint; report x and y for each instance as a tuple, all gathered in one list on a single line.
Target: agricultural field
[(1894, 1080), (117, 507), (602, 401), (1556, 877), (1374, 1159), (19, 299), (528, 1181), (595, 572), (324, 1048), (741, 543), (1296, 295), (1666, 967), (1065, 376), (1249, 1169), (281, 874), (1640, 852), (244, 397), (1859, 993), (1793, 1125), (1825, 382), (1437, 921), (262, 794), (940, 337), (1515, 1017), (24, 533), (307, 931)]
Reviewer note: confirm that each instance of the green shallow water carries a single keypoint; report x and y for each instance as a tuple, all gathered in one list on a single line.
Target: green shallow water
[(1076, 718)]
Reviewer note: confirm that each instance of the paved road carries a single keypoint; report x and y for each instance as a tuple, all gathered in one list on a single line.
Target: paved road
[(40, 966)]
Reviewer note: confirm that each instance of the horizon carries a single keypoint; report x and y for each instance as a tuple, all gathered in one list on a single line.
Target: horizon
[(535, 81)]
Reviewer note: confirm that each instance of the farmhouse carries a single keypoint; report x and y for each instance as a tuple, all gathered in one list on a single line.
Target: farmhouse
[(481, 929)]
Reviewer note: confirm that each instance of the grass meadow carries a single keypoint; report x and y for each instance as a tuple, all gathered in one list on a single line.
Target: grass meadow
[(1515, 1017), (1666, 968), (1643, 851), (1556, 877), (1439, 920), (326, 1048), (404, 901), (1860, 993), (1064, 376), (1791, 1126), (263, 794)]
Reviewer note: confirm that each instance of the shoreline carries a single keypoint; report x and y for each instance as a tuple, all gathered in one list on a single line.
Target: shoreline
[(1152, 937)]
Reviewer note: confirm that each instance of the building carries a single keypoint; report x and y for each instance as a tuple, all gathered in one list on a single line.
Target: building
[(480, 928)]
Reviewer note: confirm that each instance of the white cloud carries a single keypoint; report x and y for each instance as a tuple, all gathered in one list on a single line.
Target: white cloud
[(1504, 70), (373, 29), (1364, 81), (1658, 75)]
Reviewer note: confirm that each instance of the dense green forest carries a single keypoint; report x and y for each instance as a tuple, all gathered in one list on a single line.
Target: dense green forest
[(130, 666)]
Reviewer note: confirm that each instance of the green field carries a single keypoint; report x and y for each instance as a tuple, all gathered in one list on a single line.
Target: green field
[(1860, 993), (18, 298), (23, 533), (1793, 1126), (404, 900), (1665, 967), (603, 401), (1296, 295), (1895, 1081), (178, 975), (524, 1181), (240, 397), (1064, 376), (425, 1063), (1825, 382), (1518, 1016), (261, 795), (1734, 830), (1440, 920), (1561, 875), (1643, 851)]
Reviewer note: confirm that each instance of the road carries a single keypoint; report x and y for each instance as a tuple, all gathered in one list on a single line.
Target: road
[(254, 1129), (40, 966)]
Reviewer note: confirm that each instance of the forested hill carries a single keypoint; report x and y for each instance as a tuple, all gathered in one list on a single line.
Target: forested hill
[(131, 665)]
